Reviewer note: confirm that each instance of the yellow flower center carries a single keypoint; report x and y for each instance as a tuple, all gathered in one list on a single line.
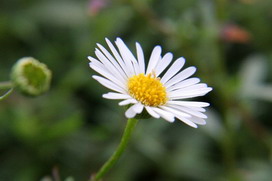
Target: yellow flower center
[(147, 89)]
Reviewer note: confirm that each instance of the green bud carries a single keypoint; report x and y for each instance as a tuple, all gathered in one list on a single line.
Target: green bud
[(30, 76)]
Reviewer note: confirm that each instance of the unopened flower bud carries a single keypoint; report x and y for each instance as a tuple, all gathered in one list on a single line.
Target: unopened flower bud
[(30, 76)]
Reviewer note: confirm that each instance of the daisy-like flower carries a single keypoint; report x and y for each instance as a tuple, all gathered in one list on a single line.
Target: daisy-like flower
[(160, 88)]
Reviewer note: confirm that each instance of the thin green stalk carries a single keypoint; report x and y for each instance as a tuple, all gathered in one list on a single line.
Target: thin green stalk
[(6, 85), (131, 123), (6, 94)]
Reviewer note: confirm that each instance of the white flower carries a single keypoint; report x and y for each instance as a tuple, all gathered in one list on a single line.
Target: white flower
[(148, 87)]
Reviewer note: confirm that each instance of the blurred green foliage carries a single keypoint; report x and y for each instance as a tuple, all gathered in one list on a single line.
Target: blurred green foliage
[(69, 132)]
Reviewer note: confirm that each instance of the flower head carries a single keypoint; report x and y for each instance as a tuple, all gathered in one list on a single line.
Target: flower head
[(160, 88), (30, 76)]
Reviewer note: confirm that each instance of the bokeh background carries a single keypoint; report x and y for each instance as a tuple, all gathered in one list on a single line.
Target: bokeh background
[(71, 130)]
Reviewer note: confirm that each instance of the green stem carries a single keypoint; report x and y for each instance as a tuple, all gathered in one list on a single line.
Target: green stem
[(131, 123), (6, 85), (6, 94)]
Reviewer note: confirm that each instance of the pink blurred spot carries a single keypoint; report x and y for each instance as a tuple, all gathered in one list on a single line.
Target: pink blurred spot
[(234, 33), (95, 6)]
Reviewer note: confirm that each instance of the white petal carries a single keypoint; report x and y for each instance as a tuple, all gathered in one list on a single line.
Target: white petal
[(95, 62), (194, 87), (185, 83), (118, 57), (118, 72), (113, 95), (154, 58), (127, 101), (163, 63), (126, 55), (130, 113), (108, 65), (113, 61), (152, 112), (136, 68), (175, 67), (180, 94), (189, 103), (125, 49), (91, 58), (164, 114), (189, 111), (109, 84), (188, 94), (108, 75), (197, 89), (140, 56), (199, 109), (187, 121), (138, 108), (176, 112), (198, 120), (181, 76)]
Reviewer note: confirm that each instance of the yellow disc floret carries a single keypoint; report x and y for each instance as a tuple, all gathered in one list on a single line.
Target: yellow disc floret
[(147, 89)]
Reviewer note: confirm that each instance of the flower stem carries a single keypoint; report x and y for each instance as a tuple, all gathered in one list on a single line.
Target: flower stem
[(131, 123), (6, 94), (6, 85)]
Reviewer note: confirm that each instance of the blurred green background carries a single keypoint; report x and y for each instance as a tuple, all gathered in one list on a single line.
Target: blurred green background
[(71, 130)]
